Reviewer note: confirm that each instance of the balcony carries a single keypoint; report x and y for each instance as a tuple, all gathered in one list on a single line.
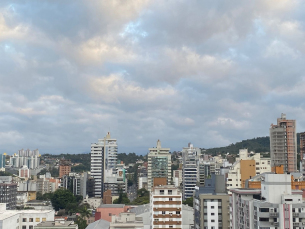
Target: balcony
[(167, 216), (274, 214)]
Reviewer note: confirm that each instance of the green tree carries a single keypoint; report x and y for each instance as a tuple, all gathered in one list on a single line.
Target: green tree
[(188, 201), (143, 197), (81, 222), (123, 199), (85, 212), (61, 198)]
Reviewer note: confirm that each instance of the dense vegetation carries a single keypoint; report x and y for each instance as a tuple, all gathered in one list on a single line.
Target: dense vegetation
[(258, 145), (188, 201), (63, 201), (130, 158), (143, 197)]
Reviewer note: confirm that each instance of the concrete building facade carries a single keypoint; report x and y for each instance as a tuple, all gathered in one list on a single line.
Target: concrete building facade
[(166, 207), (159, 164), (64, 167), (190, 165), (273, 206), (245, 167), (103, 158), (211, 204), (283, 144)]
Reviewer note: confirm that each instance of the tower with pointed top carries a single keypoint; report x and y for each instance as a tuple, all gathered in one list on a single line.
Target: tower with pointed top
[(159, 166)]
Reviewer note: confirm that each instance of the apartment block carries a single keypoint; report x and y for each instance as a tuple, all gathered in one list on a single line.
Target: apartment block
[(64, 167), (190, 164), (246, 166), (274, 205), (126, 220), (24, 219), (211, 204), (283, 144), (8, 195), (159, 164), (166, 207), (177, 177), (103, 158), (76, 182), (25, 157), (302, 152)]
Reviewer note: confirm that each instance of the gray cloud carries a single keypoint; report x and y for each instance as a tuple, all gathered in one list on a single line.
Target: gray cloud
[(207, 72)]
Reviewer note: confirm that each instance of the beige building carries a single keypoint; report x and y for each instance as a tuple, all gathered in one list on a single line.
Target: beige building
[(211, 204), (166, 207), (159, 165), (283, 144), (246, 166), (126, 220)]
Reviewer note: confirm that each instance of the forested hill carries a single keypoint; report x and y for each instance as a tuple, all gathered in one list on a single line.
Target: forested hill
[(258, 145)]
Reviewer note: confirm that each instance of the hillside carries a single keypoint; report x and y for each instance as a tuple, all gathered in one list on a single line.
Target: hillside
[(258, 145)]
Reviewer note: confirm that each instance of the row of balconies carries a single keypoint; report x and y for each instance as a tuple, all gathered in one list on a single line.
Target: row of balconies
[(167, 215), (167, 202), (167, 222)]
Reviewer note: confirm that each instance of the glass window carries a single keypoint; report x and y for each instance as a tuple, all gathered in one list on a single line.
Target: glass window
[(24, 220), (31, 220), (44, 219), (37, 219)]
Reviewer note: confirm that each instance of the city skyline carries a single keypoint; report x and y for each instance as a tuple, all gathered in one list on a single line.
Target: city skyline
[(210, 73)]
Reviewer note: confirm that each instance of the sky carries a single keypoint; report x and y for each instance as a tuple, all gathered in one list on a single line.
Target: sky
[(210, 72)]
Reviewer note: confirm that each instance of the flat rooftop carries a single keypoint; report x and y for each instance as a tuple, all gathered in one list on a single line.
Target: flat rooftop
[(10, 213)]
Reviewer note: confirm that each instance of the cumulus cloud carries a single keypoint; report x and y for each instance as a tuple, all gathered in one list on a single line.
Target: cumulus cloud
[(207, 72)]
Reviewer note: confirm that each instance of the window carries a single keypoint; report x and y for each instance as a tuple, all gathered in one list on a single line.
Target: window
[(17, 220), (30, 227), (212, 207), (24, 220), (170, 199), (212, 213), (31, 220), (163, 212), (110, 214), (161, 192), (170, 192), (178, 212), (23, 227), (44, 219), (37, 219)]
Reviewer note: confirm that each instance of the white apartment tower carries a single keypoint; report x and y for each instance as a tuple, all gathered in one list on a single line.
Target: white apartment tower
[(166, 207), (159, 164), (103, 157), (275, 205), (190, 169)]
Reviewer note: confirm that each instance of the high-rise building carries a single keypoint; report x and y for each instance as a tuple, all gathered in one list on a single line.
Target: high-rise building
[(190, 164), (159, 165), (211, 204), (2, 160), (64, 167), (274, 205), (76, 183), (25, 157), (8, 194), (283, 144), (103, 157), (166, 207), (302, 152), (245, 167)]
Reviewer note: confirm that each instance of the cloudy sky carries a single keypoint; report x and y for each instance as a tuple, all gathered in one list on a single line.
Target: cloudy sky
[(210, 72)]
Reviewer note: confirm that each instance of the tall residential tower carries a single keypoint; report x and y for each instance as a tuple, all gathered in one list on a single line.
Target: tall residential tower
[(283, 144), (103, 157), (159, 165)]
